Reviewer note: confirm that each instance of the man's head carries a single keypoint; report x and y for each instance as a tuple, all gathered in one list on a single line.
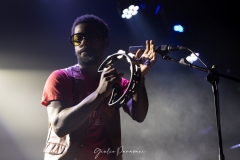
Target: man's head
[(90, 38)]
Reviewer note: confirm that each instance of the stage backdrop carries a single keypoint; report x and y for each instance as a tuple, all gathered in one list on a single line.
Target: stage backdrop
[(181, 122)]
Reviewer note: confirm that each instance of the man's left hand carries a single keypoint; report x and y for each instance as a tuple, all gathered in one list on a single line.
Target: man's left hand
[(147, 58)]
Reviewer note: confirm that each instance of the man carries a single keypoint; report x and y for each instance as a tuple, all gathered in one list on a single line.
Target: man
[(80, 121)]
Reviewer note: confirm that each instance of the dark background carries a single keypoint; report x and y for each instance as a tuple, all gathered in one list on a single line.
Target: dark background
[(181, 123)]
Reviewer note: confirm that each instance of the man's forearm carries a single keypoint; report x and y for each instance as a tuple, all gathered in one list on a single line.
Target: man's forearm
[(140, 103), (71, 118)]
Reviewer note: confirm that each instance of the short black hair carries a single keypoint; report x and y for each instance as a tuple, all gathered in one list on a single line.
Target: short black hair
[(92, 19)]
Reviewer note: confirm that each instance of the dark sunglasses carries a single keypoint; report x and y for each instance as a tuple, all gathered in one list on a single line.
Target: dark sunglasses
[(91, 37)]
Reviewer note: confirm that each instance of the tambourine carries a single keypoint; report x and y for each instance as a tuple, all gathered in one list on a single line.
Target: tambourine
[(118, 98)]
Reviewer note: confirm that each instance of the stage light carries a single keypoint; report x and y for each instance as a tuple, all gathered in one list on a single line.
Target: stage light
[(192, 58), (157, 9), (130, 11), (178, 28), (235, 146)]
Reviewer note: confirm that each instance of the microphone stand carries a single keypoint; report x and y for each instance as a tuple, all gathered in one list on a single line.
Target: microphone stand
[(213, 78)]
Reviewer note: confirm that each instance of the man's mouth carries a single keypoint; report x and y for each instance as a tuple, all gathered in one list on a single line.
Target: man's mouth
[(85, 53), (84, 49)]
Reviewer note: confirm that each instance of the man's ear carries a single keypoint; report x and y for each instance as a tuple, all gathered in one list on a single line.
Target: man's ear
[(106, 43)]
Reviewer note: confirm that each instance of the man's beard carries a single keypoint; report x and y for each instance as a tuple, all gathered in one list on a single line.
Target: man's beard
[(89, 58)]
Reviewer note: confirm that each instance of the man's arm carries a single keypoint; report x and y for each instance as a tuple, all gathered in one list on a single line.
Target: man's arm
[(140, 103), (65, 118), (140, 99)]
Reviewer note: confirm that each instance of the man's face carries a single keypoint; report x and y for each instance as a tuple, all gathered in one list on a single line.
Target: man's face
[(91, 47)]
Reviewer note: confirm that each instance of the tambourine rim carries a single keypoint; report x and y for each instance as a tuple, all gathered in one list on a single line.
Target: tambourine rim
[(127, 92)]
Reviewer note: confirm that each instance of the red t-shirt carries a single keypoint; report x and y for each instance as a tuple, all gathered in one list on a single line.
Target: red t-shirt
[(59, 86)]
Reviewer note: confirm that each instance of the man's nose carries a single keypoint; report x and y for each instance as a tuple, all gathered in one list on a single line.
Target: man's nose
[(84, 42)]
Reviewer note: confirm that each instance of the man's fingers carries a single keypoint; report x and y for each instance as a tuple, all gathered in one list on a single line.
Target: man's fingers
[(152, 46), (111, 74), (109, 70), (139, 53), (147, 46), (114, 82), (115, 77)]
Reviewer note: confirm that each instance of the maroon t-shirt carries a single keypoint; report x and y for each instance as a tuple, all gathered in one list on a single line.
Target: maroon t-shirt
[(59, 87)]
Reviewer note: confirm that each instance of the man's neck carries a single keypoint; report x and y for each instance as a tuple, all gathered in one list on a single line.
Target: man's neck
[(91, 71)]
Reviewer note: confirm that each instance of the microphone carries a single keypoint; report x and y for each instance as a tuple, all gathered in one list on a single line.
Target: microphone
[(162, 49)]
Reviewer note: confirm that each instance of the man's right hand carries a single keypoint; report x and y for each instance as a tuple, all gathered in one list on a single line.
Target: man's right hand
[(109, 78)]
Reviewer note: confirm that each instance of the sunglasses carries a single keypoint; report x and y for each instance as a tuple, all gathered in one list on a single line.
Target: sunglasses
[(91, 37)]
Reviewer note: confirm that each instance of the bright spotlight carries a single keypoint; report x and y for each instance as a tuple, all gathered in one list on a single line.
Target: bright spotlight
[(136, 8), (178, 28), (131, 7), (124, 15), (192, 58), (134, 13), (125, 11), (130, 11), (235, 146), (129, 16)]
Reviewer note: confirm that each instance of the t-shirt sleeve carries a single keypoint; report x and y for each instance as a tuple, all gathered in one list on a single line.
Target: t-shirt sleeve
[(128, 107), (57, 87)]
